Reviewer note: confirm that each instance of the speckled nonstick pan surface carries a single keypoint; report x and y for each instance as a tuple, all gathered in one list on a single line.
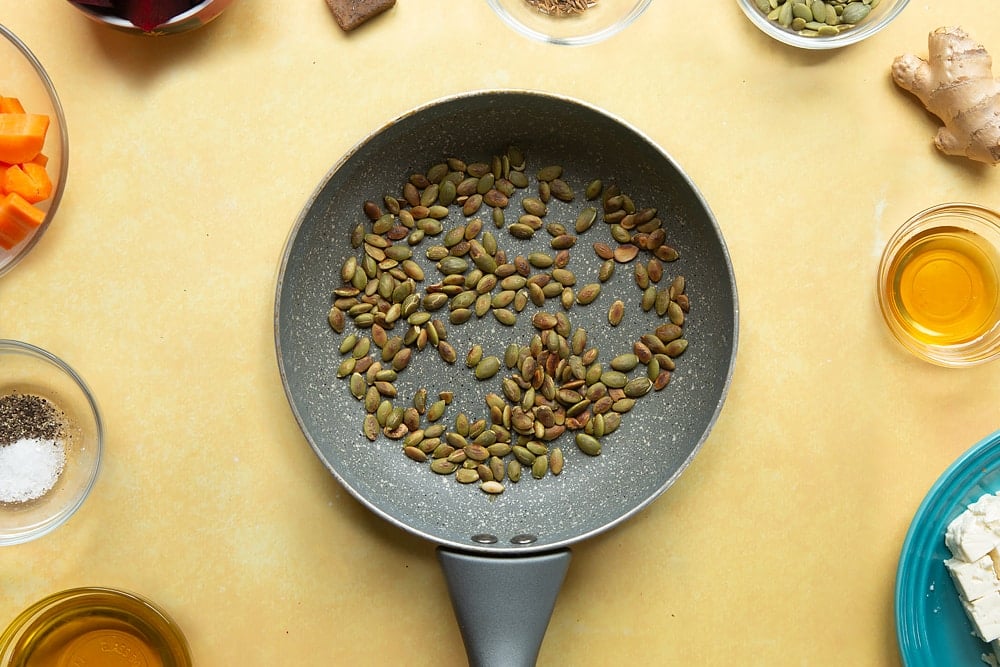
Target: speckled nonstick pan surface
[(656, 440)]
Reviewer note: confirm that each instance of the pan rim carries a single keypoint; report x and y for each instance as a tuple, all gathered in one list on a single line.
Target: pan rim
[(501, 550)]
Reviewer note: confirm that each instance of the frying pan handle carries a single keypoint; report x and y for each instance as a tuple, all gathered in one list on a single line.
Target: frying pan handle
[(503, 604)]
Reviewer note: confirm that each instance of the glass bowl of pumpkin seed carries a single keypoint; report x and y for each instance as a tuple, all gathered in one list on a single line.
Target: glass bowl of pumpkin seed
[(821, 24), (569, 22)]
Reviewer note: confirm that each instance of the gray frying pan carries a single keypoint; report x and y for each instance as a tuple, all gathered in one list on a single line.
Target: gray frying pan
[(520, 537)]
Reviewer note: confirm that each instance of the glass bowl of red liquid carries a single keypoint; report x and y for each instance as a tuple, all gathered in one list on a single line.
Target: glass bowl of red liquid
[(152, 17)]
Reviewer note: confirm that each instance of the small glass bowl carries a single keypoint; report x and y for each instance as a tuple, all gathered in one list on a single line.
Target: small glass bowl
[(973, 228), (93, 625), (26, 369), (877, 19), (22, 76), (600, 21), (193, 18)]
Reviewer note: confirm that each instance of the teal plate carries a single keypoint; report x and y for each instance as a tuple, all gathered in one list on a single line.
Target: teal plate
[(931, 625)]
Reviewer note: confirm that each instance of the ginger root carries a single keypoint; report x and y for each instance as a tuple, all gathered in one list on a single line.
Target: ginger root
[(956, 84)]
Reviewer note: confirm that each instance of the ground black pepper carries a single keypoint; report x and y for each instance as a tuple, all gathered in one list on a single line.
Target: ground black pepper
[(28, 416)]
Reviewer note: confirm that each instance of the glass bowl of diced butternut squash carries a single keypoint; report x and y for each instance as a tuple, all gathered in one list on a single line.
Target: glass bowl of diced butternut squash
[(33, 150)]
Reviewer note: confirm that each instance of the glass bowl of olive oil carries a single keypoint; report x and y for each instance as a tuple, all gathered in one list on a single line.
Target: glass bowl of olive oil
[(93, 626), (939, 284)]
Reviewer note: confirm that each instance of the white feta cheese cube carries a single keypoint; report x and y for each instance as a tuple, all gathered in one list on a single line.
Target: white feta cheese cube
[(985, 616), (987, 508), (973, 580), (969, 538)]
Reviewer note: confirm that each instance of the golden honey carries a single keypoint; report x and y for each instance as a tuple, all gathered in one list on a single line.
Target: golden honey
[(944, 286), (93, 627)]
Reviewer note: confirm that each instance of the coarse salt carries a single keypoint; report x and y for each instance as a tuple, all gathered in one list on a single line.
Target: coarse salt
[(29, 468)]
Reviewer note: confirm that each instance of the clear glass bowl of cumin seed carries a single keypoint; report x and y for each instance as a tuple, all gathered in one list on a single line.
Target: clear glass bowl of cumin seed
[(569, 22), (51, 437), (802, 29)]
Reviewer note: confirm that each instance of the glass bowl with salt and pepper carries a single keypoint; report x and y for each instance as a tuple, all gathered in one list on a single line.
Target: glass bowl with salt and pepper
[(51, 438), (569, 22)]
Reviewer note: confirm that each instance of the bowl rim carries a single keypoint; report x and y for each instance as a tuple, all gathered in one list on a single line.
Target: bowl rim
[(960, 355), (863, 31), (63, 513), (573, 40), (60, 117)]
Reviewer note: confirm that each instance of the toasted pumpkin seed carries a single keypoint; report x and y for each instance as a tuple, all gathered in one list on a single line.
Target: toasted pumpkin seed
[(616, 312)]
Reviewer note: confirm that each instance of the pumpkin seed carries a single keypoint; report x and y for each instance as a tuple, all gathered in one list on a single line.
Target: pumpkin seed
[(550, 172), (588, 444), (676, 347), (540, 466), (492, 487), (585, 219), (443, 466), (637, 387), (561, 190), (614, 379), (563, 242), (855, 12), (616, 312), (446, 351), (370, 427), (534, 206), (625, 253), (594, 188), (624, 362), (436, 410), (474, 356), (588, 293), (487, 368)]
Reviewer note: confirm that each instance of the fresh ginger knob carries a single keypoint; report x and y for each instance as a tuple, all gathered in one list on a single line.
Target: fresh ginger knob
[(956, 84)]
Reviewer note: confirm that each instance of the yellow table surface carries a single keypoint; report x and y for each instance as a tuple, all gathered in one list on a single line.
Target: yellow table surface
[(190, 158)]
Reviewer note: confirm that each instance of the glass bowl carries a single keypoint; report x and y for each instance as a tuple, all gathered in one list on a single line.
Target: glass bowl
[(876, 20), (37, 498), (99, 626), (939, 284), (195, 17), (597, 22), (22, 76)]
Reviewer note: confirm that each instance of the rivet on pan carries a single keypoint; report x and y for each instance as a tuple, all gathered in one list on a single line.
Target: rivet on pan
[(484, 538), (523, 539)]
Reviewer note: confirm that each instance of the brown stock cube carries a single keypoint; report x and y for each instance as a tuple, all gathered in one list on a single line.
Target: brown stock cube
[(349, 14)]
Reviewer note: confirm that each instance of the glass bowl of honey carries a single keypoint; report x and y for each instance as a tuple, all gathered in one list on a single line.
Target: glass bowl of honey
[(94, 626), (939, 284)]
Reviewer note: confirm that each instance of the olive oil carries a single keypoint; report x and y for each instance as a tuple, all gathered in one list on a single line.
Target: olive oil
[(95, 641), (944, 286), (93, 627)]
